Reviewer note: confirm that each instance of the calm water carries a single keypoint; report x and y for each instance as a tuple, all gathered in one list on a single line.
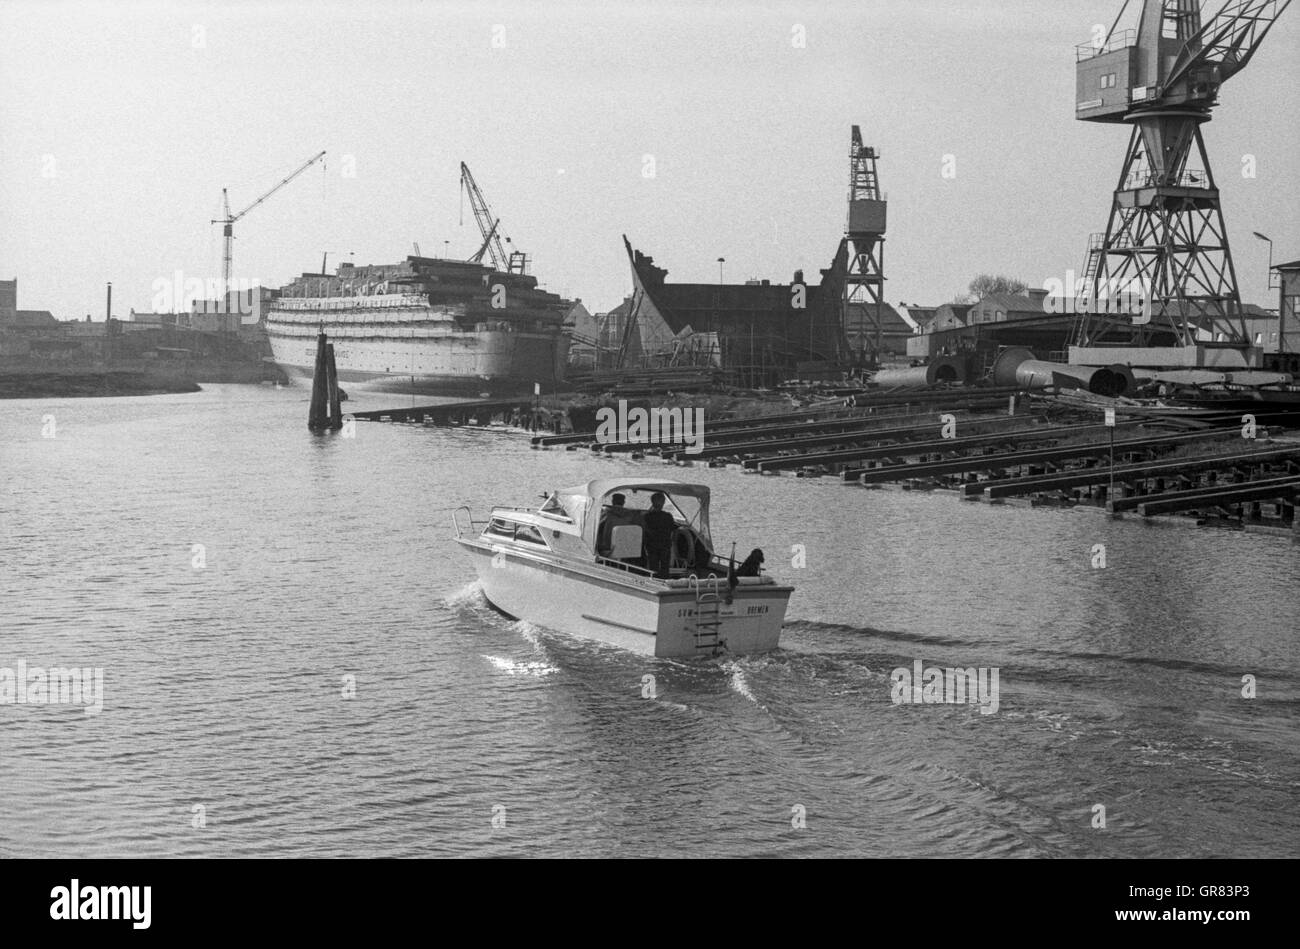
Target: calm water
[(326, 557)]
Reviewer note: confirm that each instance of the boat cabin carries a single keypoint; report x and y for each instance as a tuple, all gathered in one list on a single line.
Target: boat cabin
[(610, 521)]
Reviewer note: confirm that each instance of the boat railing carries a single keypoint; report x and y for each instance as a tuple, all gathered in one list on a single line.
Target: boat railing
[(697, 585), (724, 564), (711, 583), (624, 565), (469, 520)]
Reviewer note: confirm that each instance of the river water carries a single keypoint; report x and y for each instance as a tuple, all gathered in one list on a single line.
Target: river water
[(297, 662)]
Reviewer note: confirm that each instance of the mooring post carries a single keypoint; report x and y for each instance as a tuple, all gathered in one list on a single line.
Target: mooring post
[(318, 414), (332, 379)]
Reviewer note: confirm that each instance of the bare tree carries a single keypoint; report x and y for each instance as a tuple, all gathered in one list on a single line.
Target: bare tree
[(985, 284)]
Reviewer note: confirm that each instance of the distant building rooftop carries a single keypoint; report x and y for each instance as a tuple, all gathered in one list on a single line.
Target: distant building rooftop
[(32, 318)]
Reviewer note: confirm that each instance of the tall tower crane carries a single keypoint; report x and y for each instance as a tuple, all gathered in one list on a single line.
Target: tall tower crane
[(227, 220), (515, 262), (864, 283), (1166, 237)]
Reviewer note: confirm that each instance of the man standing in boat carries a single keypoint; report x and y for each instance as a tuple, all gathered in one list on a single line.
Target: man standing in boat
[(658, 526)]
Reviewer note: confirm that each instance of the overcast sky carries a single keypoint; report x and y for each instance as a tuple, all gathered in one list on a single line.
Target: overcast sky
[(120, 124)]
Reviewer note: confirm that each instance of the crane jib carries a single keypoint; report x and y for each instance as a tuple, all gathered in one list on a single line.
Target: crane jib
[(489, 227), (228, 221)]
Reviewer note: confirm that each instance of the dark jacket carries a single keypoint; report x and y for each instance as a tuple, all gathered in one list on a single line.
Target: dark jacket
[(658, 530)]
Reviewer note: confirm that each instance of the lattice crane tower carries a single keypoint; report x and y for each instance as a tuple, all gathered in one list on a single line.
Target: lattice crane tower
[(864, 282), (1166, 236)]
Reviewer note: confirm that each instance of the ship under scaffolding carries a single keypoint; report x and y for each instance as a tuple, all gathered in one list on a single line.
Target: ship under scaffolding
[(758, 333)]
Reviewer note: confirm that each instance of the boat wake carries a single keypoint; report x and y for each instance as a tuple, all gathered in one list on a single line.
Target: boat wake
[(540, 666), (531, 633), (470, 596), (814, 635), (516, 667), (739, 684)]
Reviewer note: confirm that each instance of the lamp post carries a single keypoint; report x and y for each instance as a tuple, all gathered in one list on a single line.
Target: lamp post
[(1281, 306), (1270, 250), (721, 261)]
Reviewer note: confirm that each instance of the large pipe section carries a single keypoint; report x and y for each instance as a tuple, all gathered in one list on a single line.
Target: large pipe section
[(941, 370), (1205, 377), (1018, 367)]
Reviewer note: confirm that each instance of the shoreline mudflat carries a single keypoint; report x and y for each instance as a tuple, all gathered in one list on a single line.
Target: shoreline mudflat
[(44, 385)]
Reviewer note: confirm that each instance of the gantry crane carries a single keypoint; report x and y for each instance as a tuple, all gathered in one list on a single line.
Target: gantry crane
[(864, 232), (1166, 238), (228, 221), (515, 262)]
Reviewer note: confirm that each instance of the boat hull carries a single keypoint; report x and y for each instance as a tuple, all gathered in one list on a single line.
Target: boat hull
[(624, 609)]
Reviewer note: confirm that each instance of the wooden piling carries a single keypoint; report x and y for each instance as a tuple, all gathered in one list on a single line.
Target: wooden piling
[(336, 402), (318, 413), (326, 411)]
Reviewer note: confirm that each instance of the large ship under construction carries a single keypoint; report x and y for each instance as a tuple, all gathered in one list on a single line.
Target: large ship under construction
[(428, 324), (424, 325)]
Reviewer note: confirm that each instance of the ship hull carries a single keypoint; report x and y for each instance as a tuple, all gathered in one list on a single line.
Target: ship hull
[(462, 363), (423, 325)]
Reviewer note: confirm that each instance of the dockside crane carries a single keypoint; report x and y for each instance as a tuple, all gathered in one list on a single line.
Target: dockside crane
[(1166, 236), (227, 220), (864, 233), (516, 262)]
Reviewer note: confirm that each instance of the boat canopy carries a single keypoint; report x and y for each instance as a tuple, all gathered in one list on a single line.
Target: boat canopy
[(584, 503)]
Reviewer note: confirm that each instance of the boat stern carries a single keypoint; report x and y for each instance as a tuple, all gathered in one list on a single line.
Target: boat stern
[(708, 620)]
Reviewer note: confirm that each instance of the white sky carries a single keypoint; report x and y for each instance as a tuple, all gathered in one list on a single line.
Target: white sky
[(142, 128)]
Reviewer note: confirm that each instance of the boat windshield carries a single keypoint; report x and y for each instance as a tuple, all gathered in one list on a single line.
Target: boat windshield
[(587, 505), (554, 507), (686, 508)]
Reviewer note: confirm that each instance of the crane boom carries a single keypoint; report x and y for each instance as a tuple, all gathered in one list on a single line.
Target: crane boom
[(1111, 32), (515, 262), (284, 182), (487, 224), (1229, 39), (487, 241), (227, 220)]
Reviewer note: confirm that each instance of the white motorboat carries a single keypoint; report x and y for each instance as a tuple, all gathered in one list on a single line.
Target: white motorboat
[(579, 564)]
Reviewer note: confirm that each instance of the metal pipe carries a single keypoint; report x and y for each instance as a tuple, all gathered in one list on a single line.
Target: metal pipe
[(1017, 366), (942, 370), (1112, 381), (1201, 377)]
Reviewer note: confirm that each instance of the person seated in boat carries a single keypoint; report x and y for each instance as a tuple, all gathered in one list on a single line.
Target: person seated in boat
[(615, 514), (658, 526)]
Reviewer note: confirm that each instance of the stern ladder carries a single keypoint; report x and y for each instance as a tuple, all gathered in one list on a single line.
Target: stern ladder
[(708, 615)]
